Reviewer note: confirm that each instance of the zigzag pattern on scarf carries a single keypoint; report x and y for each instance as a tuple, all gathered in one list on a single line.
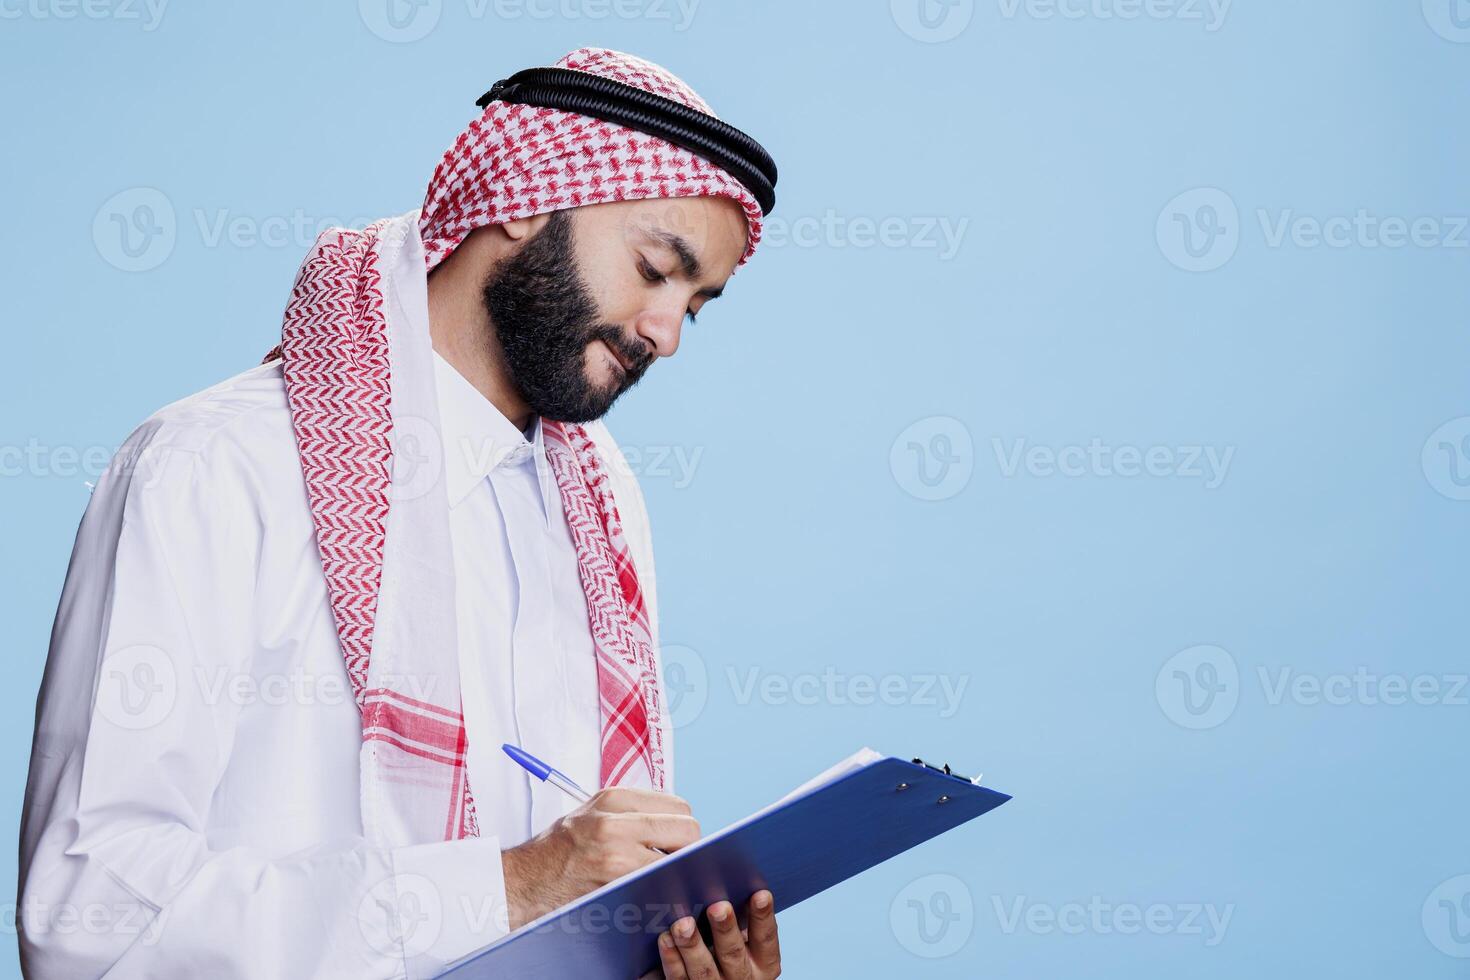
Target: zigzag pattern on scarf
[(337, 384), (628, 686)]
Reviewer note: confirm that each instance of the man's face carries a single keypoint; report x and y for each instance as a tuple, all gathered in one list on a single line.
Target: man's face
[(591, 300)]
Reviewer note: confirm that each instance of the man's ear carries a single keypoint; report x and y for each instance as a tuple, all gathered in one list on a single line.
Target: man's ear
[(522, 228)]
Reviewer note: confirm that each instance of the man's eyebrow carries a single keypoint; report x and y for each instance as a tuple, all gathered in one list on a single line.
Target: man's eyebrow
[(688, 261)]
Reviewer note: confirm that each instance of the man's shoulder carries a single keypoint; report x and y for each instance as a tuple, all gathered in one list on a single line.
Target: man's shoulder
[(254, 399), (236, 433)]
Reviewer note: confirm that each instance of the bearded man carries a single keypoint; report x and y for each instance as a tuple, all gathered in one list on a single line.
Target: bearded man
[(307, 606)]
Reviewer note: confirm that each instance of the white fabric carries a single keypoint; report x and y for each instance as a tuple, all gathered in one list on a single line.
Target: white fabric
[(517, 570), (212, 827)]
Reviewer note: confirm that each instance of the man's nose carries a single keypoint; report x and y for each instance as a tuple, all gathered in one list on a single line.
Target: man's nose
[(660, 327)]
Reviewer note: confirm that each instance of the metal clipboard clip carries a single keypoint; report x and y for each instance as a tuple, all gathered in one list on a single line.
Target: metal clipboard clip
[(945, 770)]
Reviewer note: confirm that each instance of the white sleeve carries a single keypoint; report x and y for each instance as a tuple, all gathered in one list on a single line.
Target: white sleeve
[(117, 875)]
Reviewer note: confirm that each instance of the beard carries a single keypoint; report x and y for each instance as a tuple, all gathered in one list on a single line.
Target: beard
[(544, 317)]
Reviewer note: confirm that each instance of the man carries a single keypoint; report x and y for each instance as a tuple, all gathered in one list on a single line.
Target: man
[(308, 605)]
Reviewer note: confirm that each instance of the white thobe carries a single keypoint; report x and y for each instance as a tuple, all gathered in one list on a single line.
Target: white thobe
[(193, 807)]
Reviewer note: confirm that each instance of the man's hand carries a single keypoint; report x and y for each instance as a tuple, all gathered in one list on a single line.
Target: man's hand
[(605, 838), (754, 954)]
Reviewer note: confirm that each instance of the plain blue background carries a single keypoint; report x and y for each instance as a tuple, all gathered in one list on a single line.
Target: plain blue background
[(799, 553)]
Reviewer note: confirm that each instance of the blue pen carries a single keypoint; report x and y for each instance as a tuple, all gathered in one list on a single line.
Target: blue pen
[(547, 774)]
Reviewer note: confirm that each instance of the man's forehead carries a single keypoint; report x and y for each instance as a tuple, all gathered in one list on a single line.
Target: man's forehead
[(703, 233)]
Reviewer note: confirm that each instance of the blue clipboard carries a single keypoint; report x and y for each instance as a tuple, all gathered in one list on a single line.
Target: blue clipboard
[(798, 848)]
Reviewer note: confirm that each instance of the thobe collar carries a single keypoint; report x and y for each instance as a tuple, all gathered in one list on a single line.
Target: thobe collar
[(477, 439)]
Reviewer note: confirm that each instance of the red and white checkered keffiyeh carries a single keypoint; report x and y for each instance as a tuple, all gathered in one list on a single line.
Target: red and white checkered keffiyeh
[(356, 355)]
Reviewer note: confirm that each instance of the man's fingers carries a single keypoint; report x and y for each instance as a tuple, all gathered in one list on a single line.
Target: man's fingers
[(669, 958), (698, 961), (666, 831), (669, 831), (622, 799), (729, 946), (760, 926)]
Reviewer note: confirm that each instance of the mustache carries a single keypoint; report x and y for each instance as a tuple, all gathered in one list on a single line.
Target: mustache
[(636, 353)]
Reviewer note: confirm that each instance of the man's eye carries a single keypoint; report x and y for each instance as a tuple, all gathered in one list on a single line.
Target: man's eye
[(691, 316), (650, 273)]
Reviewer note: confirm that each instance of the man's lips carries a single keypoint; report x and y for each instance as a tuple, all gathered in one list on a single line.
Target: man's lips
[(618, 358)]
